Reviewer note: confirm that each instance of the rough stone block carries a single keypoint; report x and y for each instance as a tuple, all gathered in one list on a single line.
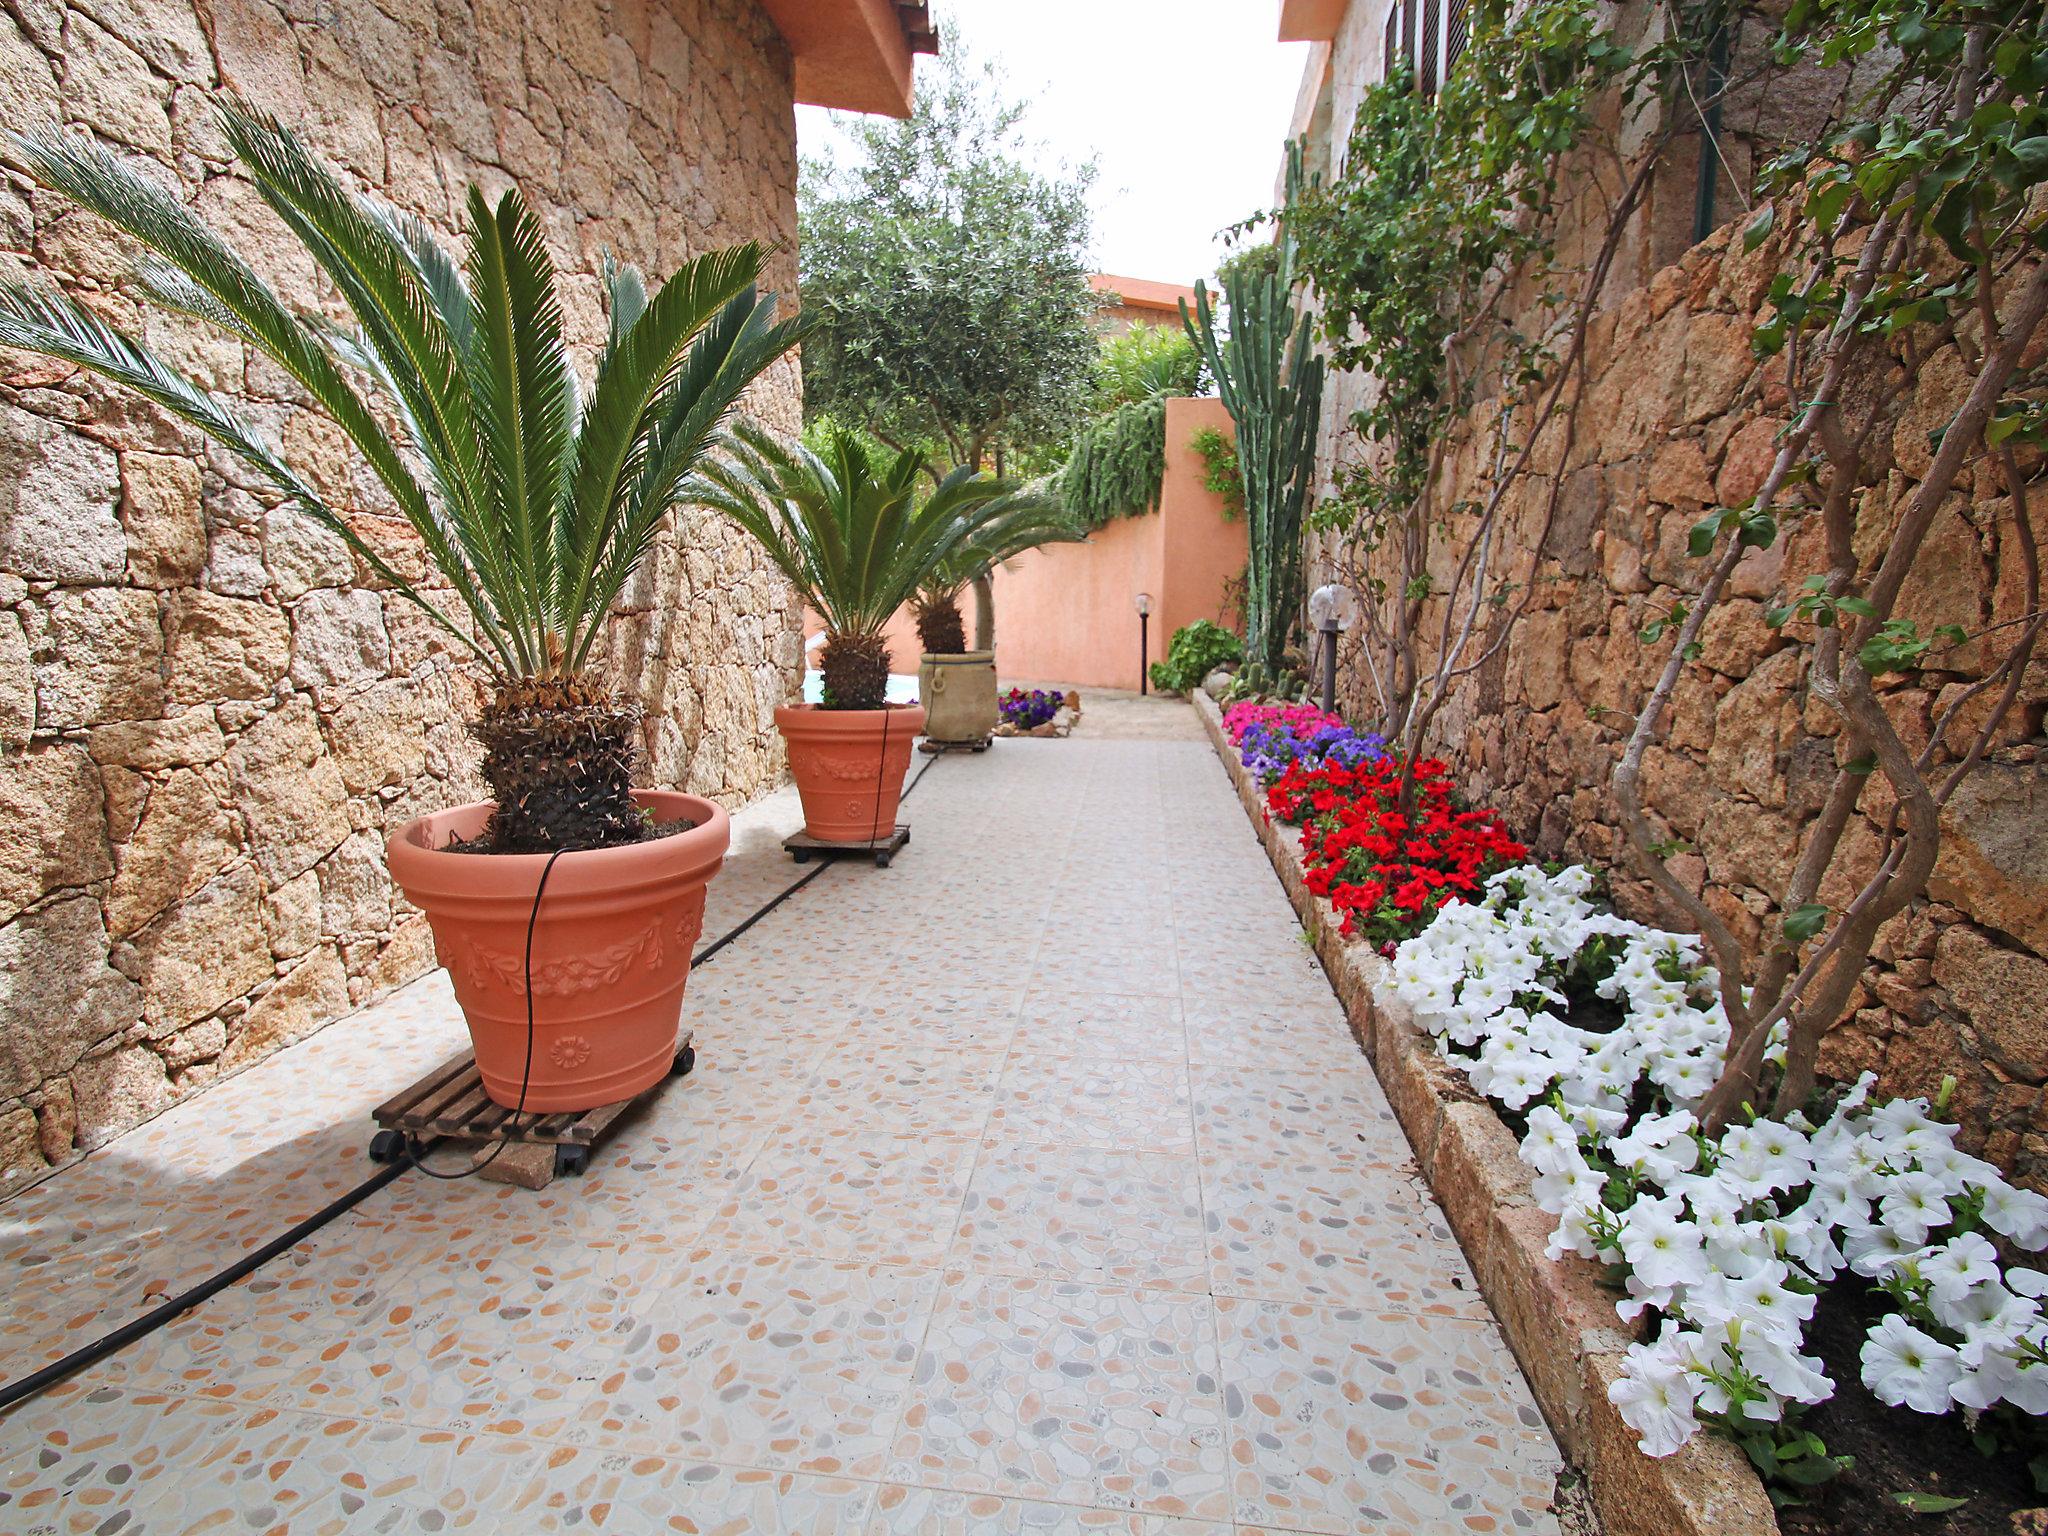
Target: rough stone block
[(1543, 1303), (58, 995), (118, 1090), (58, 492), (166, 529), (203, 953), (1476, 1172), (99, 657), (52, 825), (339, 642), (312, 993), (184, 838), (288, 791), (224, 648)]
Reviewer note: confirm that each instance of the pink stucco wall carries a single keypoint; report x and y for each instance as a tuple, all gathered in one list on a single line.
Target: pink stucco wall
[(1068, 614)]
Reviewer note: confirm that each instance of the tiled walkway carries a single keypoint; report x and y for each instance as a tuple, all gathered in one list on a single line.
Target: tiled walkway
[(1031, 1185)]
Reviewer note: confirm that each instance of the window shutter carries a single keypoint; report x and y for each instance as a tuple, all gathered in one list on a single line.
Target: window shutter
[(1387, 49), (1432, 30), (1408, 31), (1460, 33)]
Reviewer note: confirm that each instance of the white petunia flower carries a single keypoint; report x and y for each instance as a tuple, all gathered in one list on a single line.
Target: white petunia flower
[(1908, 1368), (1660, 1246), (1958, 1266), (2019, 1214), (1655, 1395), (1912, 1205)]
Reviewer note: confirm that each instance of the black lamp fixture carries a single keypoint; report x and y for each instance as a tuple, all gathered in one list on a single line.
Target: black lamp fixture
[(1144, 640), (1332, 608)]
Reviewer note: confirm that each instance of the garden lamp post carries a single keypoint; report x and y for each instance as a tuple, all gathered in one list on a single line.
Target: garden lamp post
[(1144, 638), (1331, 608)]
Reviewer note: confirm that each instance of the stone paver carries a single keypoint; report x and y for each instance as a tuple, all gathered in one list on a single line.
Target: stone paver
[(1031, 1185)]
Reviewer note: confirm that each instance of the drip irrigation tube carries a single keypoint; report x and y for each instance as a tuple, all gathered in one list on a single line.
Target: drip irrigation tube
[(140, 1327)]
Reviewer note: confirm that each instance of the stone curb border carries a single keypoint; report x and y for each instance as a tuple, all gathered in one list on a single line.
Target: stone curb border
[(1558, 1318)]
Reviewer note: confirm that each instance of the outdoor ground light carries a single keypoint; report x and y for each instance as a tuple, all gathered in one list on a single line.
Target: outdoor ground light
[(1144, 620), (1332, 608)]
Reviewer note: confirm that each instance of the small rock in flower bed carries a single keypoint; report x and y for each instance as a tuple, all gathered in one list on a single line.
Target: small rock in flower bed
[(1728, 1245)]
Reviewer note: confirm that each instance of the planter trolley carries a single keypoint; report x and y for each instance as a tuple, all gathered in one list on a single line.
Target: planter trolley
[(977, 744), (450, 1102), (801, 846)]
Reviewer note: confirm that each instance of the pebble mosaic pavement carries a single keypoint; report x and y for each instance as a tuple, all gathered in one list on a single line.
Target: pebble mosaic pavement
[(1032, 1185)]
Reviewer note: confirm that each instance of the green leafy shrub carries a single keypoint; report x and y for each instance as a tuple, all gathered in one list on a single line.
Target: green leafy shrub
[(1196, 650), (1222, 475)]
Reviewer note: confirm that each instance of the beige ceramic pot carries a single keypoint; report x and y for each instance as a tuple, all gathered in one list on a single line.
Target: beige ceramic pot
[(959, 695), (849, 765), (611, 948)]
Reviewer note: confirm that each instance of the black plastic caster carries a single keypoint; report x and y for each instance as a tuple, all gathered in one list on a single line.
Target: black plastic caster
[(881, 861), (685, 1062), (571, 1160), (387, 1147), (799, 855)]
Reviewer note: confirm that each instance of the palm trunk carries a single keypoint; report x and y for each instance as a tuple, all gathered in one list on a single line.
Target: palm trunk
[(559, 759)]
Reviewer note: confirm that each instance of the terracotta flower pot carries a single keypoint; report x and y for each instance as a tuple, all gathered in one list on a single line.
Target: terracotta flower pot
[(611, 949), (850, 781)]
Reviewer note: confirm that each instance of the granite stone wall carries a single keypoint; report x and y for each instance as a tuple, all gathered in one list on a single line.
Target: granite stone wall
[(209, 714), (1680, 416)]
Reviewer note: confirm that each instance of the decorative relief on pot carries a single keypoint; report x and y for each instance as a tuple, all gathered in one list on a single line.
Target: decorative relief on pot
[(671, 932), (569, 1052)]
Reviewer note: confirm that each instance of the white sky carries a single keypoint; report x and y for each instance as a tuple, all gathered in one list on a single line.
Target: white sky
[(1182, 103)]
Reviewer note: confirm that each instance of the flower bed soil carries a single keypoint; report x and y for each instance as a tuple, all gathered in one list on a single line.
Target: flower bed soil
[(1898, 1451)]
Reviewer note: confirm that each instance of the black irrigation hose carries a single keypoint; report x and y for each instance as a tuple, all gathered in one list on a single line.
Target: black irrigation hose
[(156, 1317), (140, 1327)]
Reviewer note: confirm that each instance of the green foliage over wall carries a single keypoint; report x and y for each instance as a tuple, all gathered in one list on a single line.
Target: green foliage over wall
[(1222, 475), (1117, 465), (1118, 461)]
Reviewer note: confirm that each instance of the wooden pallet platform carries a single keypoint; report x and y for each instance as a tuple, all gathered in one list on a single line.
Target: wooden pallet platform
[(934, 748), (801, 846), (449, 1103)]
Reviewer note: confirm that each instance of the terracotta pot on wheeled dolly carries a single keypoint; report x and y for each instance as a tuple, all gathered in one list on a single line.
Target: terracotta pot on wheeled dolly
[(849, 765), (611, 950)]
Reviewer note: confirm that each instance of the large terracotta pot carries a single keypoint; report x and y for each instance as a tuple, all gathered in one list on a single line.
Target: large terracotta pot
[(611, 948), (959, 695), (849, 765)]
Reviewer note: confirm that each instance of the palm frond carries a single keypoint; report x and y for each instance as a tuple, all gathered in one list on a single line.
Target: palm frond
[(536, 507), (518, 372), (56, 326), (197, 273), (845, 528)]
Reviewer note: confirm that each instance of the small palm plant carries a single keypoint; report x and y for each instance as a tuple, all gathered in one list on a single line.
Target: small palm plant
[(845, 525), (1030, 522), (535, 500)]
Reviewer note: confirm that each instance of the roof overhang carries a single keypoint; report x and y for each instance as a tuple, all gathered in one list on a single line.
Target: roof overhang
[(1142, 292), (1311, 21), (854, 54)]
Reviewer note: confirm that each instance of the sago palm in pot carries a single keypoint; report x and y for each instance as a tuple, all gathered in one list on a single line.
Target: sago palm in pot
[(534, 497), (958, 686), (846, 525)]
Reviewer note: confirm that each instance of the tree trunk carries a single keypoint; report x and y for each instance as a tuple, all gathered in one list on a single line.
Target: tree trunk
[(984, 613)]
